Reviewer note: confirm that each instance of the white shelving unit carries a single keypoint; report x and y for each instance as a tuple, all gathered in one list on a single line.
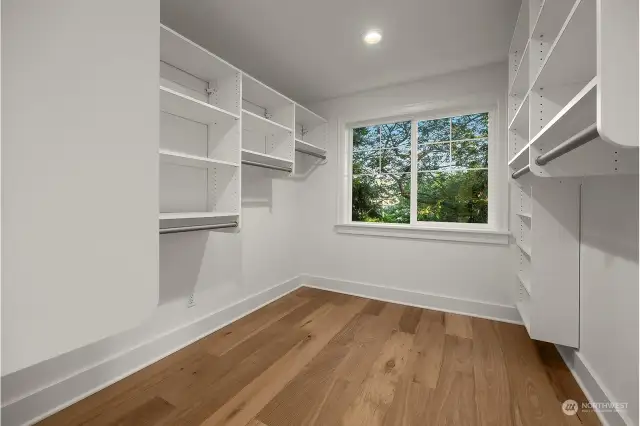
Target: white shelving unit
[(569, 117), (214, 118)]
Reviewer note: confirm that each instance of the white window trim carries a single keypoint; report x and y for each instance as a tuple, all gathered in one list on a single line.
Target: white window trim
[(494, 232)]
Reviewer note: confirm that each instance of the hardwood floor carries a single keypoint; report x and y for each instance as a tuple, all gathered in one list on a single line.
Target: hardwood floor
[(322, 358)]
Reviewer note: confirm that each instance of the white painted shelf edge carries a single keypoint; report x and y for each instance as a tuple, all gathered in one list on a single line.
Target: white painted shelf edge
[(572, 108), (261, 157), (525, 57), (308, 147), (260, 123), (521, 159), (525, 215), (176, 103), (523, 108), (192, 160), (525, 282), (308, 118), (526, 250)]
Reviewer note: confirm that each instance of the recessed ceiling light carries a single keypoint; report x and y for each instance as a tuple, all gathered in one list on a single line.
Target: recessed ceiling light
[(372, 37)]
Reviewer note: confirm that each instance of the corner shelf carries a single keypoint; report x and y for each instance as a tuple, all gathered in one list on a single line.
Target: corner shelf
[(175, 103), (526, 216), (525, 249), (188, 160)]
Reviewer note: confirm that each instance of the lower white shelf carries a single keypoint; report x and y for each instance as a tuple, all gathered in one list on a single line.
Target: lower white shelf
[(182, 159), (524, 248), (525, 282), (183, 219), (311, 149), (265, 159)]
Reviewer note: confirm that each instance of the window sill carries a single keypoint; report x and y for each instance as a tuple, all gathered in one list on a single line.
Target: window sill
[(480, 236)]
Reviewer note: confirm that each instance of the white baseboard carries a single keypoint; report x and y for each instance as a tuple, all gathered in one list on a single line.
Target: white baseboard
[(436, 302), (46, 400), (592, 387)]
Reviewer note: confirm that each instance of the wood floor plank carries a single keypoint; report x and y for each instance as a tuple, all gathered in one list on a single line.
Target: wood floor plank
[(255, 422), (452, 402), (377, 391), (493, 397), (235, 333), (356, 366), (373, 307), (458, 325), (247, 403), (147, 414), (420, 376), (410, 319), (531, 390), (563, 382), (298, 403)]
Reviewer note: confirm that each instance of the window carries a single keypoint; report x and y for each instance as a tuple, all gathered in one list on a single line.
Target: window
[(439, 166)]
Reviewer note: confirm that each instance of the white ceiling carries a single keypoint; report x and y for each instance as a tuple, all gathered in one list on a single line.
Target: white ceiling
[(313, 50)]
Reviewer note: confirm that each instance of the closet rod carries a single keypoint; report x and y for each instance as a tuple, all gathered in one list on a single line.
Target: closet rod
[(198, 228), (577, 140), (522, 171), (266, 166), (313, 154)]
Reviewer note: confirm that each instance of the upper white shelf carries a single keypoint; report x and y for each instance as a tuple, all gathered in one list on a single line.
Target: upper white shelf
[(255, 123), (182, 159), (306, 147), (307, 118), (521, 159), (176, 103), (525, 249), (572, 57), (552, 16), (520, 122), (175, 49), (524, 215), (261, 95)]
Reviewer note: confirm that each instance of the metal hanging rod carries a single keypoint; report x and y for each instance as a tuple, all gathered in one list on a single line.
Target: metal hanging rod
[(521, 172), (267, 166), (198, 228), (313, 154), (577, 140)]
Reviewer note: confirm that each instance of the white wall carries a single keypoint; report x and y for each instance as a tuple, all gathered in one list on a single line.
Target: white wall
[(79, 173), (473, 271), (609, 291)]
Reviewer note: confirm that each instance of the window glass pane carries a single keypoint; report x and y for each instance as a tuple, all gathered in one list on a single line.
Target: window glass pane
[(470, 126), (395, 135), (366, 162), (472, 154), (366, 137), (434, 156), (457, 196), (381, 198), (396, 160), (434, 130)]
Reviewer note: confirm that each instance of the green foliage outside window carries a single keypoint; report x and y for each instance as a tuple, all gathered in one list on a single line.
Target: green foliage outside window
[(452, 162)]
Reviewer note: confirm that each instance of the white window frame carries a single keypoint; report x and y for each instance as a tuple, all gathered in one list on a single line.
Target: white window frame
[(493, 232)]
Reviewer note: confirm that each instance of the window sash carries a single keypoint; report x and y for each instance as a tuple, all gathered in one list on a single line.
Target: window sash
[(414, 145)]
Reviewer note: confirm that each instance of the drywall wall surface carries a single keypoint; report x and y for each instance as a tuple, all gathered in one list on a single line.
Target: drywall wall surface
[(609, 288), (79, 173), (472, 271)]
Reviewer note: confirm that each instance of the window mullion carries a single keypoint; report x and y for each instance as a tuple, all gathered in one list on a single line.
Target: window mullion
[(413, 218)]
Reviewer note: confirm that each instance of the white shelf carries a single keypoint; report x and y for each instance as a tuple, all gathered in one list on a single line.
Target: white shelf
[(524, 215), (259, 157), (525, 282), (572, 57), (255, 123), (526, 250), (520, 85), (307, 118), (577, 115), (520, 121), (176, 103), (308, 147), (521, 159), (182, 159), (176, 220), (188, 56), (261, 95)]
